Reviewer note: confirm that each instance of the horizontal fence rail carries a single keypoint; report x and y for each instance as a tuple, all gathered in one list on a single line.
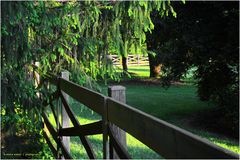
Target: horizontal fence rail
[(132, 59), (166, 139), (93, 100)]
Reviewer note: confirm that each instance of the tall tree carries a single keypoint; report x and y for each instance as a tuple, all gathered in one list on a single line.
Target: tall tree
[(204, 35)]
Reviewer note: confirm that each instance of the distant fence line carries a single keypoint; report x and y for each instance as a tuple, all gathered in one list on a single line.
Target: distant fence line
[(132, 59)]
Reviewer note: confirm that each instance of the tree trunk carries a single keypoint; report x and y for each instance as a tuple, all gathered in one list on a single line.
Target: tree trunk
[(124, 64), (154, 64)]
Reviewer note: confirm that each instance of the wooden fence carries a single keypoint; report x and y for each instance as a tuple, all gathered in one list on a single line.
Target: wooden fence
[(135, 59), (166, 139)]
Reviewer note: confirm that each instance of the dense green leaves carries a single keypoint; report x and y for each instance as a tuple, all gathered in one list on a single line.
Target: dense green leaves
[(204, 36), (74, 35)]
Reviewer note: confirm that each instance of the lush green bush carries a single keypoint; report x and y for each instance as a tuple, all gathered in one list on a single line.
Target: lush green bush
[(21, 127)]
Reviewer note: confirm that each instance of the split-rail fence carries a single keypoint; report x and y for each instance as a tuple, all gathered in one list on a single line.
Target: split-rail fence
[(166, 139)]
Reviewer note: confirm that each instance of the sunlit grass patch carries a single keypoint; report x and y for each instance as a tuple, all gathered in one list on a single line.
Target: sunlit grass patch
[(138, 71), (138, 150)]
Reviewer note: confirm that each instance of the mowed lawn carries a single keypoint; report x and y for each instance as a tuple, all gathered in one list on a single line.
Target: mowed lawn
[(167, 104), (143, 72), (172, 105), (138, 71), (175, 105)]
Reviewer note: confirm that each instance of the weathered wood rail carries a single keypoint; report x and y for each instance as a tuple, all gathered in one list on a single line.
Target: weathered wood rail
[(166, 139)]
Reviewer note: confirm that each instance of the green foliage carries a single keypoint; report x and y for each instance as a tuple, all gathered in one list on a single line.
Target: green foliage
[(25, 125), (45, 153), (75, 36)]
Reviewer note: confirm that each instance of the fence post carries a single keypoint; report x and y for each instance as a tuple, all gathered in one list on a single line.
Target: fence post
[(138, 60), (117, 93), (105, 132), (37, 78), (65, 118)]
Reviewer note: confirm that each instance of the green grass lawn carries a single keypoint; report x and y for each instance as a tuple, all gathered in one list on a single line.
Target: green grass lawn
[(140, 71), (144, 72), (165, 103)]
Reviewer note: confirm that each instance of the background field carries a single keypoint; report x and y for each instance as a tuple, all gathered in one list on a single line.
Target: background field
[(143, 72)]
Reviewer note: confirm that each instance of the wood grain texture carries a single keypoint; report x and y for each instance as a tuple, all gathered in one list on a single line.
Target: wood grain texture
[(87, 129), (118, 147), (65, 118), (105, 131), (91, 99), (117, 92), (166, 139)]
